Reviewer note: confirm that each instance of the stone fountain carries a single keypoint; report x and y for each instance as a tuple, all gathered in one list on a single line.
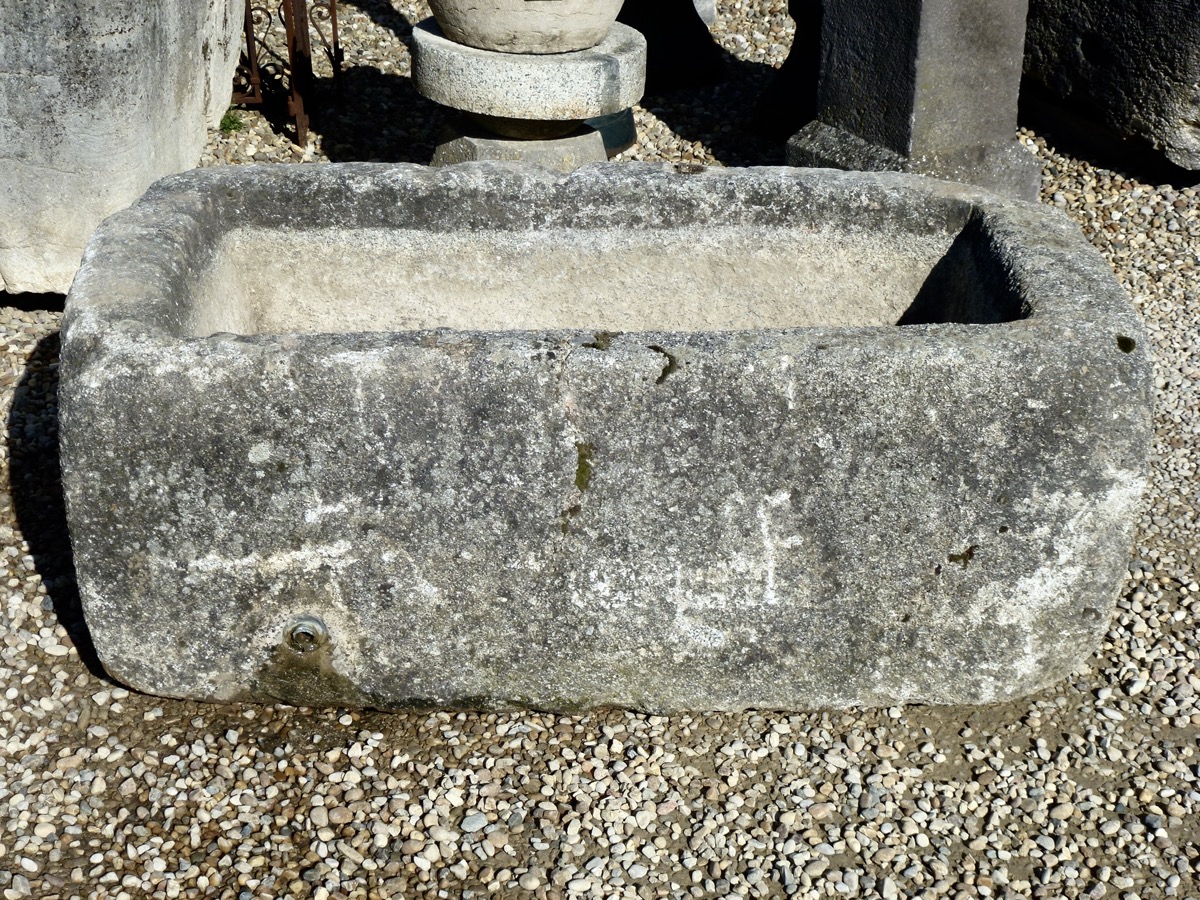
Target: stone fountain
[(528, 75)]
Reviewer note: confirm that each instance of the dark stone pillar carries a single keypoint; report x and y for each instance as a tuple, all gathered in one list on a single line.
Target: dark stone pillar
[(927, 86)]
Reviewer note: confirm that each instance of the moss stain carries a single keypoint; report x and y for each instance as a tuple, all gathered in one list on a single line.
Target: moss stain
[(308, 679), (583, 467), (602, 340), (584, 454), (965, 557)]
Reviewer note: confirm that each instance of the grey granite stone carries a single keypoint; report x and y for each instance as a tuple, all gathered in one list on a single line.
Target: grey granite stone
[(1130, 68), (561, 86), (97, 101), (491, 436), (564, 154), (927, 86)]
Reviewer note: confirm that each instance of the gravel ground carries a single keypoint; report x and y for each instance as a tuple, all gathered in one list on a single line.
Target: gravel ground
[(1087, 790)]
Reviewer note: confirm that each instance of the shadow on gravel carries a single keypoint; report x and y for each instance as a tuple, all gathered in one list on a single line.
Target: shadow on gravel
[(31, 302), (724, 116), (385, 16), (1076, 134), (35, 485), (363, 115), (379, 118)]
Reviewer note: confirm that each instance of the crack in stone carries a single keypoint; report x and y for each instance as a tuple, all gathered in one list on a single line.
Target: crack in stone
[(671, 366)]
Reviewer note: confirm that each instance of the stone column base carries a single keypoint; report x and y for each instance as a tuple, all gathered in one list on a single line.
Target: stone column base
[(1006, 169)]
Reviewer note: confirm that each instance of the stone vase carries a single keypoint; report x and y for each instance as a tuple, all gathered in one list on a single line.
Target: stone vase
[(526, 26)]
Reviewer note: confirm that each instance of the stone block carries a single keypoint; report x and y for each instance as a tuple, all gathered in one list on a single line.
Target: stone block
[(926, 86), (97, 101), (564, 154), (559, 86), (488, 436), (1129, 69)]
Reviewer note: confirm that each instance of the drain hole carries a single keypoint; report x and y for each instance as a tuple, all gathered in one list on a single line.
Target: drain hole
[(306, 633), (1126, 343)]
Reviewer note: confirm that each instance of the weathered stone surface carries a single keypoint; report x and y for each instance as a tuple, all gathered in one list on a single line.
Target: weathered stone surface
[(521, 26), (564, 154), (1132, 68), (562, 86), (485, 435), (97, 101), (926, 86)]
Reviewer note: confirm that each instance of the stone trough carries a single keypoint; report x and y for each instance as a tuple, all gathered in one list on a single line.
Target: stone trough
[(484, 436)]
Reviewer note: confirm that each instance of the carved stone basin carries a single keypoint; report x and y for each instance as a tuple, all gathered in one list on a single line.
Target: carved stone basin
[(484, 436)]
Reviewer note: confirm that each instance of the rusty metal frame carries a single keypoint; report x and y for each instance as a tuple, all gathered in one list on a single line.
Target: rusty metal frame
[(300, 18)]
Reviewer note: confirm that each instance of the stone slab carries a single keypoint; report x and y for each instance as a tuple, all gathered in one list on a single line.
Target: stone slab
[(560, 86), (1004, 168), (1131, 69), (565, 154), (929, 85), (97, 101), (489, 436)]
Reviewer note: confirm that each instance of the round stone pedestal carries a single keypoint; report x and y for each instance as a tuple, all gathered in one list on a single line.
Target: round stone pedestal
[(529, 106), (558, 87)]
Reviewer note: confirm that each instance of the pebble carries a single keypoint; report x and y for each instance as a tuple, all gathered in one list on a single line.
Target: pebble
[(1087, 788), (339, 815), (474, 822), (529, 882)]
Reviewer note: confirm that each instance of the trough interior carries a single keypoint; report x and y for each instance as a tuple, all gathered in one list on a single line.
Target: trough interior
[(719, 278)]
